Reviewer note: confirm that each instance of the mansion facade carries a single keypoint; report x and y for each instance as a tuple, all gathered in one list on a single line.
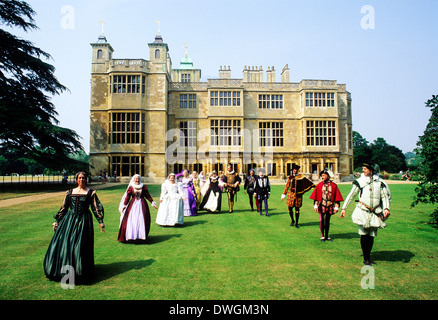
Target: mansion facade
[(152, 119)]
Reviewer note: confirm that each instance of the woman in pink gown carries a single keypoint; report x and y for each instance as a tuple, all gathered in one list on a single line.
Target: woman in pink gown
[(135, 220)]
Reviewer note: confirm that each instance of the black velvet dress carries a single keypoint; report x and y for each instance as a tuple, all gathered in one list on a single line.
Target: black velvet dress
[(72, 244)]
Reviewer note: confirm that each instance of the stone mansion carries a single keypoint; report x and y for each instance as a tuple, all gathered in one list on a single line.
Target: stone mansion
[(150, 118)]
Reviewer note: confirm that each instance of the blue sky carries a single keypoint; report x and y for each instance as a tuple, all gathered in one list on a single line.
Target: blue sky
[(390, 68)]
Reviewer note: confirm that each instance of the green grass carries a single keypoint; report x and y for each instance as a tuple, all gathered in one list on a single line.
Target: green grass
[(229, 256)]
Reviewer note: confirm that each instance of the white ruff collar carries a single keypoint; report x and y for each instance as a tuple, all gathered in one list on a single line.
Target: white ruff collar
[(137, 186)]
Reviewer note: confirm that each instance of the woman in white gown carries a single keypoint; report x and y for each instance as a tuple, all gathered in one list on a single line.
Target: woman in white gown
[(171, 211), (135, 219)]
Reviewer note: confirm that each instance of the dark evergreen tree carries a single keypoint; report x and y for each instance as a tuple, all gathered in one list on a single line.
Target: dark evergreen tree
[(361, 150), (29, 128), (427, 190)]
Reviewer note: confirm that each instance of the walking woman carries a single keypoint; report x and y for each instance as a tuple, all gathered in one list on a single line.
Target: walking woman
[(135, 219), (189, 193), (171, 211), (212, 194), (72, 244)]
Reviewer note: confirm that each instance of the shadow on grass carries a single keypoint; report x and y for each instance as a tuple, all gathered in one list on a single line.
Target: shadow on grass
[(188, 223), (396, 255), (161, 238), (106, 271), (350, 235)]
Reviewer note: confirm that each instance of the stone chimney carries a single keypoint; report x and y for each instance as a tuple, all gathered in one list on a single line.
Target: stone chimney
[(285, 74), (270, 74), (225, 73), (253, 74)]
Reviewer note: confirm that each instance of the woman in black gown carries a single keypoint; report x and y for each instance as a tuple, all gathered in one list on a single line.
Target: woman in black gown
[(72, 245), (212, 194)]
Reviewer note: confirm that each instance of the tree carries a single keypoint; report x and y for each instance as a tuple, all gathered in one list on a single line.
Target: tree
[(388, 157), (427, 190), (29, 128), (362, 151)]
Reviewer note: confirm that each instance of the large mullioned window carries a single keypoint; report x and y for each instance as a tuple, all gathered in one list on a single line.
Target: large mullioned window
[(187, 133), (127, 166), (225, 98), (320, 99), (187, 101), (321, 133), (226, 133), (128, 84), (271, 134), (270, 101), (126, 128)]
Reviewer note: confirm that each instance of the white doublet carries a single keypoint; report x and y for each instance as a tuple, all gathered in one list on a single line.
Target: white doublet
[(374, 197)]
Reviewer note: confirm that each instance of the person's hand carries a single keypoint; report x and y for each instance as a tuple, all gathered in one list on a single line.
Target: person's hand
[(343, 214), (55, 226), (156, 207), (102, 227), (386, 213)]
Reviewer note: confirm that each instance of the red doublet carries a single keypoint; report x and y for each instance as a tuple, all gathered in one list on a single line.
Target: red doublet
[(336, 195)]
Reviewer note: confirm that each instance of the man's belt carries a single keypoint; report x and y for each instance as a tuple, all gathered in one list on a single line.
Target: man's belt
[(371, 209)]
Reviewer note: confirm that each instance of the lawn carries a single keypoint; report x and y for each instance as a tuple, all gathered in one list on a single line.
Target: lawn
[(237, 256)]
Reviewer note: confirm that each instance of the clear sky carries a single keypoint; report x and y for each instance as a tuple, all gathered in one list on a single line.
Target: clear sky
[(386, 52)]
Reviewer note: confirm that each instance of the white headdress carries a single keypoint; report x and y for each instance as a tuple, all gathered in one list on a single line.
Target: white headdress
[(122, 201)]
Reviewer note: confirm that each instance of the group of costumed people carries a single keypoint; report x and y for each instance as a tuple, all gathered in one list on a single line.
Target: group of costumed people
[(184, 195)]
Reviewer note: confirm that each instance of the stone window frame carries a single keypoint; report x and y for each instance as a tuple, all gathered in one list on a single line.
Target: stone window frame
[(188, 130), (226, 132), (126, 128), (187, 100), (185, 77), (225, 98), (128, 84), (270, 101), (321, 133), (271, 134), (320, 99), (127, 165)]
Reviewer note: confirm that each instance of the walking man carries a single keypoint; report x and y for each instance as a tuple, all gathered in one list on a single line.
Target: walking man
[(327, 200), (372, 209), (296, 186)]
